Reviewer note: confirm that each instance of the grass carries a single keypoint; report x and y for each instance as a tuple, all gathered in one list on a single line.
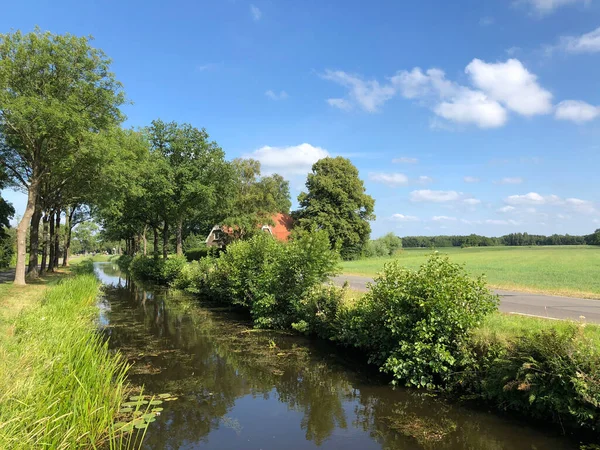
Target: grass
[(60, 387), (560, 270)]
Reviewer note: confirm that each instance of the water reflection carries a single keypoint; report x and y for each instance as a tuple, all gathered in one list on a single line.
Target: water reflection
[(240, 388)]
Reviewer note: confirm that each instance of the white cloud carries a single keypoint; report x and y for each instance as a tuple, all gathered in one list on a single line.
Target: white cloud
[(403, 218), (389, 179), (471, 180), (256, 13), (340, 103), (369, 95), (427, 195), (586, 43), (576, 111), (443, 219), (509, 180), (532, 198), (288, 161), (405, 160), (274, 96), (497, 88), (548, 6), (207, 67), (581, 206), (472, 201), (475, 107), (501, 222), (511, 84), (506, 209), (471, 222), (423, 179)]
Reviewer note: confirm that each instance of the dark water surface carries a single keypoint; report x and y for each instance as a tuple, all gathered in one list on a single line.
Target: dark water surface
[(239, 389)]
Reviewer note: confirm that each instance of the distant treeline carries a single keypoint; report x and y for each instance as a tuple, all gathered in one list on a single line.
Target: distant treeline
[(513, 239)]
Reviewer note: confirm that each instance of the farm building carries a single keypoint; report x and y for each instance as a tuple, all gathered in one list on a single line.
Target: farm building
[(280, 230)]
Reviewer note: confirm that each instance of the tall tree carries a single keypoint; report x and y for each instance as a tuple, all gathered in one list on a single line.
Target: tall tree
[(6, 209), (53, 90), (336, 201), (254, 199)]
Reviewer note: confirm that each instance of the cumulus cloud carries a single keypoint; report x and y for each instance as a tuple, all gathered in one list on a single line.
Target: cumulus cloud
[(405, 160), (506, 209), (340, 103), (549, 6), (509, 180), (368, 94), (576, 111), (472, 107), (256, 13), (472, 201), (501, 222), (403, 218), (427, 195), (511, 84), (288, 161), (275, 96), (397, 179), (532, 198), (443, 219), (471, 179), (581, 206), (586, 43), (389, 179)]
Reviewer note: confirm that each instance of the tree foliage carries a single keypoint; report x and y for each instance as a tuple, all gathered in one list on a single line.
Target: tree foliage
[(336, 202)]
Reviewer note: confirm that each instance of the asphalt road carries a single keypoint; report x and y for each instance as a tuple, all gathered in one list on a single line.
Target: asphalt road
[(548, 306)]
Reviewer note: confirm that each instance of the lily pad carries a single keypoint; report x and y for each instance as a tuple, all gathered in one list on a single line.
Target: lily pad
[(164, 395), (125, 410), (156, 402)]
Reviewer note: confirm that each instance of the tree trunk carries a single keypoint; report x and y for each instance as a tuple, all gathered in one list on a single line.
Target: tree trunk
[(45, 240), (32, 194), (165, 240), (34, 241), (145, 240), (57, 239), (51, 243), (68, 228), (179, 248), (155, 249)]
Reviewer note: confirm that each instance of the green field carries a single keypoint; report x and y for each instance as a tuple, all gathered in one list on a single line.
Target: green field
[(561, 270)]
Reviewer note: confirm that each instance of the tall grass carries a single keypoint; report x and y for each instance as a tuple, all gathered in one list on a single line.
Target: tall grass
[(60, 387)]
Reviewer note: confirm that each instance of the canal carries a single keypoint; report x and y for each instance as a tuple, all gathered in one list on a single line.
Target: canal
[(240, 388)]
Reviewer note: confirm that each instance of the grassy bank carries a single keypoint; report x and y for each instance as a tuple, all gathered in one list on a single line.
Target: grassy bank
[(60, 387), (559, 270)]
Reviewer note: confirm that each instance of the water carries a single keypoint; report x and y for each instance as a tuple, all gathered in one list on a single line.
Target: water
[(239, 389)]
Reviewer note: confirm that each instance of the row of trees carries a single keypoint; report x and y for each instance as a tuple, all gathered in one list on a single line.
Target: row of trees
[(62, 143), (513, 239)]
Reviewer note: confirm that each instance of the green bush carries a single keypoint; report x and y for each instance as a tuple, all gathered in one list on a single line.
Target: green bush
[(416, 324), (195, 254), (386, 245), (265, 276), (319, 311), (159, 271), (124, 261), (7, 247), (552, 374)]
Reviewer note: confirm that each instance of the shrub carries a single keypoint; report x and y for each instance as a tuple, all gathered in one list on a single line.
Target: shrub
[(7, 247), (160, 271), (552, 374), (319, 310), (416, 324), (124, 261), (386, 245), (195, 254)]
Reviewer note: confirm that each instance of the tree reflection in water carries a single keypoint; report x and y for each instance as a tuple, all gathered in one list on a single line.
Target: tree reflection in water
[(243, 388)]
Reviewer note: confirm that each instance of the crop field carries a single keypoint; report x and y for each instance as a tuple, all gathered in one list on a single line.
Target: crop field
[(561, 270)]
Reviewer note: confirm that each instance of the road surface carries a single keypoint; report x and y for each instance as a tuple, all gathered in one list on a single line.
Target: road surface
[(547, 306)]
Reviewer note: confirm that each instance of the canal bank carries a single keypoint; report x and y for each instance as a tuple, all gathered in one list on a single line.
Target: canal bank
[(240, 388)]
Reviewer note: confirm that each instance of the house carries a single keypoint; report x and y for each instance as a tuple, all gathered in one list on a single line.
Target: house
[(280, 230)]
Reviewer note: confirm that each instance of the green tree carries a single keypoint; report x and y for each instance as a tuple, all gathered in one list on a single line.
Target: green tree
[(6, 209), (85, 235), (255, 199), (54, 89), (336, 201)]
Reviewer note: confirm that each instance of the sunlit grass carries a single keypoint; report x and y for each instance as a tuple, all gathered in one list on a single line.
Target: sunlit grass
[(60, 387), (560, 270)]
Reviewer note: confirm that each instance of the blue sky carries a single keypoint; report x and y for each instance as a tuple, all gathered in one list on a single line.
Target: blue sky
[(462, 117)]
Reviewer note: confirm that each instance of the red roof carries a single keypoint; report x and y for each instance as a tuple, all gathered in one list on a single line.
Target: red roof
[(283, 226)]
